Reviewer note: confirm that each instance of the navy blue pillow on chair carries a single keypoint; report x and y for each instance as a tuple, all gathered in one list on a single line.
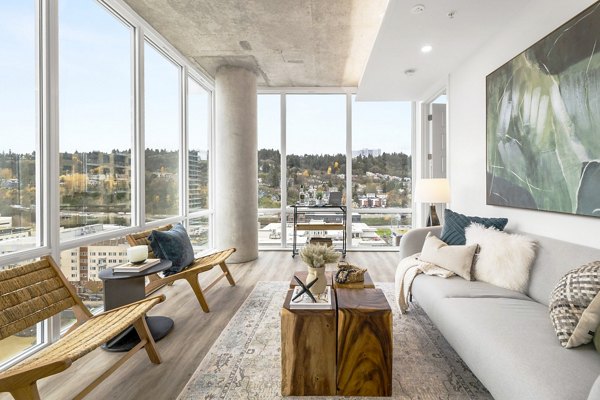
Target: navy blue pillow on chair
[(453, 232), (173, 245)]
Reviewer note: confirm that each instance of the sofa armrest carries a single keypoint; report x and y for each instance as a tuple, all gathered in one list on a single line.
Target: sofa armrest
[(412, 241), (595, 391)]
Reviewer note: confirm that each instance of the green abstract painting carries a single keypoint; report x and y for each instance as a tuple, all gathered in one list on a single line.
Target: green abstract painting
[(543, 122)]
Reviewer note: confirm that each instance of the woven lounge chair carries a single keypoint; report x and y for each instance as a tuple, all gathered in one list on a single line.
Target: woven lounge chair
[(36, 291), (190, 274)]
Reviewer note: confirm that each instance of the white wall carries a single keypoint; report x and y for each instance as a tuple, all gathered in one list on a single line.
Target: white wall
[(467, 125)]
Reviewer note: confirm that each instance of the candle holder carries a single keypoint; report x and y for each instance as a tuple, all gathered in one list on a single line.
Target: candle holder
[(137, 254)]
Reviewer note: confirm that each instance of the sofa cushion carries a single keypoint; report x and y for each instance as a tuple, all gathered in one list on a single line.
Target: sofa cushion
[(428, 290), (457, 259), (575, 305), (455, 223), (510, 346)]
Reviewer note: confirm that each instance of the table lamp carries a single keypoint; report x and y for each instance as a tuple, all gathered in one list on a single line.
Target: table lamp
[(432, 191)]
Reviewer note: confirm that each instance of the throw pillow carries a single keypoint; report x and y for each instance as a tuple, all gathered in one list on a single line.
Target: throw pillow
[(173, 245), (457, 259), (575, 305), (453, 231), (503, 259)]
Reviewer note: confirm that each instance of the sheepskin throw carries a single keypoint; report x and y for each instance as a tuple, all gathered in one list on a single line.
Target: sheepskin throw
[(503, 259)]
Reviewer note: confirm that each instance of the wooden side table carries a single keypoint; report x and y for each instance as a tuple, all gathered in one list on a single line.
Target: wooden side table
[(364, 343), (308, 351)]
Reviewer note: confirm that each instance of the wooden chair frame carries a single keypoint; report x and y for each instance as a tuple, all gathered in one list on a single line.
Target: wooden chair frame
[(88, 332), (190, 274)]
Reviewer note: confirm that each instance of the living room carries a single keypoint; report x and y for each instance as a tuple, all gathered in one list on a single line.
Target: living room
[(198, 106)]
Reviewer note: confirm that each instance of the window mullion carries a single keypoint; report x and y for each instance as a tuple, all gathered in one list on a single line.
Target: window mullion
[(183, 143), (349, 170), (283, 166), (138, 184), (49, 113)]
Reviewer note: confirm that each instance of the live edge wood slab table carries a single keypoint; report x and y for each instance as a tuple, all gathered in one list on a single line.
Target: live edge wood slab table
[(346, 350)]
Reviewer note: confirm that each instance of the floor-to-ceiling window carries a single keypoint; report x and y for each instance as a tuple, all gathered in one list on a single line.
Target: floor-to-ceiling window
[(316, 154), (96, 135), (326, 134), (74, 88), (162, 127), (269, 169), (381, 172), (199, 130), (18, 126), (19, 153)]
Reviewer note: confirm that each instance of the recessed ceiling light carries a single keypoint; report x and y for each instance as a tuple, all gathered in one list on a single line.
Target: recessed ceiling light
[(426, 49), (417, 9)]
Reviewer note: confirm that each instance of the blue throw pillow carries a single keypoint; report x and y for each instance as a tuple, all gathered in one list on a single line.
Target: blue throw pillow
[(173, 245), (453, 232)]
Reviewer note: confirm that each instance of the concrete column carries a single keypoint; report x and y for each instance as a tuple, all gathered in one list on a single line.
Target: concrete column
[(236, 163)]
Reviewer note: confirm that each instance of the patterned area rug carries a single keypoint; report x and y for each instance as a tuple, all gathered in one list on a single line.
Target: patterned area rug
[(245, 362)]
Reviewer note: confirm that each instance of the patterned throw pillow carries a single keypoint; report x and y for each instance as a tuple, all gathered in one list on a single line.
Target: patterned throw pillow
[(575, 305), (453, 232)]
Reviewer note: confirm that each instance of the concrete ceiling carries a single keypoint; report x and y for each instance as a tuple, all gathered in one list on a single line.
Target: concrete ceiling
[(295, 43), (453, 38)]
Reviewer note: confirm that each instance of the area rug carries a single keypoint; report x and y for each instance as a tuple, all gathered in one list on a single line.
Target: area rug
[(245, 362)]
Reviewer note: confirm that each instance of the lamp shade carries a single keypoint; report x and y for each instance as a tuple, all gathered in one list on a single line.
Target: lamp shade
[(432, 191)]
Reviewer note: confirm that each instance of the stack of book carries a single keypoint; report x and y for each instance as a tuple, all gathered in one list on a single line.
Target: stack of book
[(134, 268), (304, 302)]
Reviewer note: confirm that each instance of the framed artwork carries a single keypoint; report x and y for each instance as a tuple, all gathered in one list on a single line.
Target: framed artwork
[(543, 122)]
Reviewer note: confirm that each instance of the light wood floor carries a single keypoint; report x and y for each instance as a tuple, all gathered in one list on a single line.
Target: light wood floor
[(194, 333)]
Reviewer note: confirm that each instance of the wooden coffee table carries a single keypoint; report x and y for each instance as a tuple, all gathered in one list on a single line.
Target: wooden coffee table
[(346, 350), (364, 343), (308, 351)]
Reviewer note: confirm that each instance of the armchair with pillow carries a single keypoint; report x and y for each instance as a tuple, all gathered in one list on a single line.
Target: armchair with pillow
[(173, 243), (502, 322)]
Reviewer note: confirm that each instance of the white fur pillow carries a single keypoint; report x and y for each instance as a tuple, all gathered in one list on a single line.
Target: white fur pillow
[(503, 259)]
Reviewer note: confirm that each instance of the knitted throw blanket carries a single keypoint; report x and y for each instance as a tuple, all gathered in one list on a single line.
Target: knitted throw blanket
[(407, 271)]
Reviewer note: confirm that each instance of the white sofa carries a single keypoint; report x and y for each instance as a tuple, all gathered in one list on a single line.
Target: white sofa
[(506, 337)]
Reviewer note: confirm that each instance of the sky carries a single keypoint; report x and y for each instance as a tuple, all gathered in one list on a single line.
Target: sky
[(96, 94), (316, 124)]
